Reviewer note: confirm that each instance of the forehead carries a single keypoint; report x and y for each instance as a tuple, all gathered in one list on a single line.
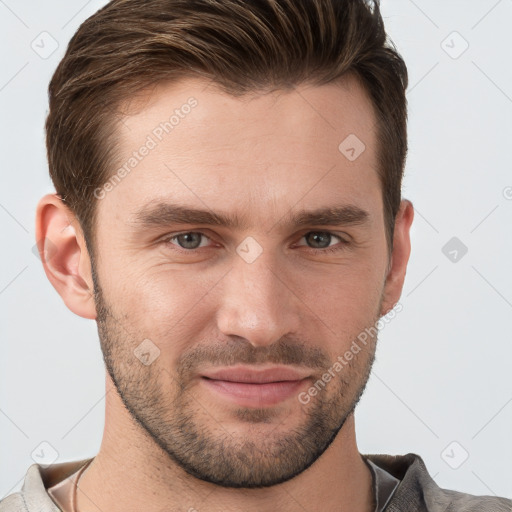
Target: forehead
[(258, 154)]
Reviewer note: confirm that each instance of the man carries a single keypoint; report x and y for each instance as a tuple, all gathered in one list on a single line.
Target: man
[(228, 210)]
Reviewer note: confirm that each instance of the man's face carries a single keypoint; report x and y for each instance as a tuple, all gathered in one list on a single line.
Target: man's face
[(242, 318)]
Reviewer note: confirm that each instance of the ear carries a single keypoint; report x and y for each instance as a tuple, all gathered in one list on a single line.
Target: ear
[(399, 257), (64, 255)]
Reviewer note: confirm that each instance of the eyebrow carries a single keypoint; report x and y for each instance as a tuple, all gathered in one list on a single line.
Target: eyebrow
[(160, 214)]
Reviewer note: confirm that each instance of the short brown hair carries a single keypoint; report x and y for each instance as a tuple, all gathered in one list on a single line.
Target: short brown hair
[(242, 46)]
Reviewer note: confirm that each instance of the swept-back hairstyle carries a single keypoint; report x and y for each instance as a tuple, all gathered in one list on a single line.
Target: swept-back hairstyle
[(241, 45)]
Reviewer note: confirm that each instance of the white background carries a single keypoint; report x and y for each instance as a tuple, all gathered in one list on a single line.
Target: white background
[(443, 369)]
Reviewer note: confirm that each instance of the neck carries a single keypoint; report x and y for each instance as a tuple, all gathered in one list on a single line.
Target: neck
[(131, 473)]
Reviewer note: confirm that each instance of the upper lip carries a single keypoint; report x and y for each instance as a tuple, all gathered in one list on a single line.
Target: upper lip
[(256, 376)]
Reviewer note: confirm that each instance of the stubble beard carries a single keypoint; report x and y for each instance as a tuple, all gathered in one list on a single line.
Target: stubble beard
[(173, 418)]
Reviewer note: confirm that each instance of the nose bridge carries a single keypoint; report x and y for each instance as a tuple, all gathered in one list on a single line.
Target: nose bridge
[(257, 304)]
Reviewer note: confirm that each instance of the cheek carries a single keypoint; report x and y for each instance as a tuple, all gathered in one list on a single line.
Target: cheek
[(345, 302), (174, 307), (168, 306)]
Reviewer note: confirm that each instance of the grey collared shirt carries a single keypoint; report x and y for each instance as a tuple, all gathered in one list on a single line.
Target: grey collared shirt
[(416, 491), (384, 485)]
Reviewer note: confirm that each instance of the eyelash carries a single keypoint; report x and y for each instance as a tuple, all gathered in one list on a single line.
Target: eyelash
[(338, 247)]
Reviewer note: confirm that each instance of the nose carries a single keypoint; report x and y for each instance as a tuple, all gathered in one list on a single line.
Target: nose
[(258, 303)]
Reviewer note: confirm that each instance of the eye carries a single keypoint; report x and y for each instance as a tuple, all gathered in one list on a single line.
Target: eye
[(324, 240), (190, 240), (318, 241)]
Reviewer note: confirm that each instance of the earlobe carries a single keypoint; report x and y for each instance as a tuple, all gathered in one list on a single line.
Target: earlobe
[(64, 255), (399, 256)]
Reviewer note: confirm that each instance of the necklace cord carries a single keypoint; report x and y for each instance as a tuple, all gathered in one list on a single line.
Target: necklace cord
[(75, 487)]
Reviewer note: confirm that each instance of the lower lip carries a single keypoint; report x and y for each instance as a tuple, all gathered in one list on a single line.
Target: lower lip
[(255, 395)]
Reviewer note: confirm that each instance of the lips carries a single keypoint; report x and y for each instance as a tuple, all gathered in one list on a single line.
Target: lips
[(250, 387), (256, 376)]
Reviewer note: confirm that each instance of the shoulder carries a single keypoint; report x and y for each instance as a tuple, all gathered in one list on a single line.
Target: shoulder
[(18, 502), (461, 502), (33, 496), (13, 503), (419, 492)]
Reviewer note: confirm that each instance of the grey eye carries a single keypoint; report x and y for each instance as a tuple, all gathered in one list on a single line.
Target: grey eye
[(318, 239), (189, 240)]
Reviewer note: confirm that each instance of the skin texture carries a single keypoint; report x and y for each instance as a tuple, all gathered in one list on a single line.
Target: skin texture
[(170, 441)]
